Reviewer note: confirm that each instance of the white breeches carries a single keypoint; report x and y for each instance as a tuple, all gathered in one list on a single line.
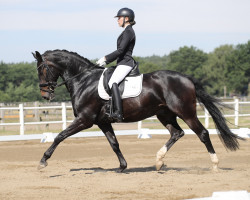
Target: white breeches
[(119, 74)]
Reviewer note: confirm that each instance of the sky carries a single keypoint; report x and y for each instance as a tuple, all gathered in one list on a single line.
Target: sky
[(89, 28)]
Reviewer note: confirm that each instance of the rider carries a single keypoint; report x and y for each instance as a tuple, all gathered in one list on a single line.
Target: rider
[(123, 55)]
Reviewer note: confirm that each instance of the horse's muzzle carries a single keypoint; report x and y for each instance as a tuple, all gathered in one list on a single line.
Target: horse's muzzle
[(47, 95)]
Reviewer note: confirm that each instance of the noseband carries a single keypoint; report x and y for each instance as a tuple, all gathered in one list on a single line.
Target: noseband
[(50, 84)]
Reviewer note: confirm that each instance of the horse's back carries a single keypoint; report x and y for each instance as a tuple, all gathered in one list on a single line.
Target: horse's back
[(170, 79)]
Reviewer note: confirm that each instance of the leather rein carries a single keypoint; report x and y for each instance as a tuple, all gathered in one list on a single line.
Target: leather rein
[(53, 85)]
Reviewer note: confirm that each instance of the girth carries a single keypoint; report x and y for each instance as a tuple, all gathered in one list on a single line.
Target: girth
[(108, 73)]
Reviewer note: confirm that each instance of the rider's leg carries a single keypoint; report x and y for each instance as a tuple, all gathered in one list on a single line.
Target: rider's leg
[(119, 74), (117, 115)]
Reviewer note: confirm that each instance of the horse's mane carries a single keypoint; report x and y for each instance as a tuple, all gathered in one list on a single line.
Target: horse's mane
[(64, 55)]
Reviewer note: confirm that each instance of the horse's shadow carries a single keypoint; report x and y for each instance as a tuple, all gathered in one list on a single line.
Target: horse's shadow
[(163, 170), (102, 170)]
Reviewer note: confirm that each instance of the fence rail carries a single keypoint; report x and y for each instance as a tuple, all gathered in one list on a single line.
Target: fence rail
[(21, 115)]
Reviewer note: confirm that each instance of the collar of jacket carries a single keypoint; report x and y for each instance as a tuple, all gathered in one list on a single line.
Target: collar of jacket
[(124, 30)]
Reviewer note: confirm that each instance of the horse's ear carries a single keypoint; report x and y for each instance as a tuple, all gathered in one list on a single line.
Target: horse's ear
[(37, 56), (34, 55)]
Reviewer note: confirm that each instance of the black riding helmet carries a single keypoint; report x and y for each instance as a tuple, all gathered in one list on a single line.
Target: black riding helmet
[(126, 12)]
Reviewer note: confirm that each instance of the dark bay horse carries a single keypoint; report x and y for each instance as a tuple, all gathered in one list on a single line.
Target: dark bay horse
[(166, 94)]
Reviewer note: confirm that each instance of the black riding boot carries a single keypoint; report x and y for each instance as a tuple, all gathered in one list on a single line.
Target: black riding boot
[(117, 103)]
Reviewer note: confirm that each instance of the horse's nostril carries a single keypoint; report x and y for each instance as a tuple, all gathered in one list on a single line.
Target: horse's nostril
[(46, 98)]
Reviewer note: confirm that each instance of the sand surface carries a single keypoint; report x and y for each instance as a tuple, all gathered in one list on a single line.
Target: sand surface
[(84, 168)]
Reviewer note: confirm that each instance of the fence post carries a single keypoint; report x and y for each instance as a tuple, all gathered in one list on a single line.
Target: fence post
[(1, 113), (64, 116), (21, 119), (236, 112), (206, 118), (139, 125), (36, 111)]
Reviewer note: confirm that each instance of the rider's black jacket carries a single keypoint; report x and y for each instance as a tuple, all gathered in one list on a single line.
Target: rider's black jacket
[(125, 46)]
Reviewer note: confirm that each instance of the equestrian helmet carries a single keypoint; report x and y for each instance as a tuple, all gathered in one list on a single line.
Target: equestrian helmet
[(126, 12)]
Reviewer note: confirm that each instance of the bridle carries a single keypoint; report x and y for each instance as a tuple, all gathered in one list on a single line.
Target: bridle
[(50, 84), (53, 85)]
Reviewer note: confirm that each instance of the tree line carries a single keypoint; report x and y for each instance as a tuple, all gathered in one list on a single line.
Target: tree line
[(224, 71)]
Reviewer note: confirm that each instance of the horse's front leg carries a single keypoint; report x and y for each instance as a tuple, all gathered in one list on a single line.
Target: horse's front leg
[(110, 135), (77, 125)]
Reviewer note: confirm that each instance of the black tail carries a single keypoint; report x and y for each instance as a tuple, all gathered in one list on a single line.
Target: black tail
[(228, 138)]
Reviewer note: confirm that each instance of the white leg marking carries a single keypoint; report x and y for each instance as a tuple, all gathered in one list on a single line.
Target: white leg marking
[(159, 156), (215, 161)]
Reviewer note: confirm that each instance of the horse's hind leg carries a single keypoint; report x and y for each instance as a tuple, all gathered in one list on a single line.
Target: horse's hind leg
[(203, 134), (110, 135), (169, 121)]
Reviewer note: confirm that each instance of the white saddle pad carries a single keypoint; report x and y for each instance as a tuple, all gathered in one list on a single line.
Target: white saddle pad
[(132, 87)]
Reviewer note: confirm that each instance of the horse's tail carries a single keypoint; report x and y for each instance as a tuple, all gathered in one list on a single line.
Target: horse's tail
[(228, 138)]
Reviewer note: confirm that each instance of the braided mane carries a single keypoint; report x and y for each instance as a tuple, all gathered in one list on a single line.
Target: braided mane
[(64, 56)]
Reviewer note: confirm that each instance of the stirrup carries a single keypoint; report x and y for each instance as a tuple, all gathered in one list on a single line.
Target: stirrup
[(117, 117), (113, 116)]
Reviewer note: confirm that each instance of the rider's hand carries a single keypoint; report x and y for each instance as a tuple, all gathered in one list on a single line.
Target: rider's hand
[(101, 61)]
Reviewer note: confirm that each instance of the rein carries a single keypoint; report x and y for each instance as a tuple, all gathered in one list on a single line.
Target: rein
[(53, 85), (69, 79)]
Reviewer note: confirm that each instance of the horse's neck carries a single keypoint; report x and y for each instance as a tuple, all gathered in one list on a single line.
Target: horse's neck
[(72, 69), (79, 77)]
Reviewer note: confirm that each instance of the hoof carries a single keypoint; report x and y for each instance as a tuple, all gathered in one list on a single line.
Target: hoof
[(215, 169), (121, 169), (159, 165), (42, 165)]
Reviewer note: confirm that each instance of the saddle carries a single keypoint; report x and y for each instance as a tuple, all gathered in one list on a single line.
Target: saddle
[(108, 73)]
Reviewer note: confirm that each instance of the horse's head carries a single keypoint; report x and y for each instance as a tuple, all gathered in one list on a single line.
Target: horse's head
[(48, 73)]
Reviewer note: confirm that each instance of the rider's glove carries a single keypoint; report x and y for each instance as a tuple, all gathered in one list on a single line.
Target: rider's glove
[(101, 62)]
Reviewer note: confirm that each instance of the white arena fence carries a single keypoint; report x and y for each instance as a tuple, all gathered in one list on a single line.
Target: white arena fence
[(21, 111)]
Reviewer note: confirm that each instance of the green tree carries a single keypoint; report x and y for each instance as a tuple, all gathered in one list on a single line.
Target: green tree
[(3, 74), (239, 69), (4, 97), (18, 82), (187, 60), (216, 70), (151, 63), (226, 66)]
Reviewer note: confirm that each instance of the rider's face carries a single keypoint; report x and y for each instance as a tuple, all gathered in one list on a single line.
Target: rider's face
[(120, 20)]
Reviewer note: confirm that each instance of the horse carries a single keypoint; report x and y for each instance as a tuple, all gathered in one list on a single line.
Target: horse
[(166, 94)]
